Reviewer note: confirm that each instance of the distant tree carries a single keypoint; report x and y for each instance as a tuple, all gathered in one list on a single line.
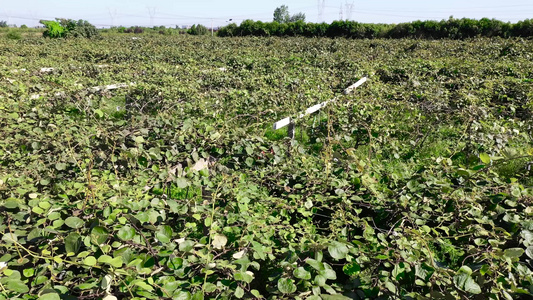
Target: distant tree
[(53, 29), (297, 17), (230, 30), (198, 30), (281, 14), (80, 28), (68, 28), (3, 24), (23, 26)]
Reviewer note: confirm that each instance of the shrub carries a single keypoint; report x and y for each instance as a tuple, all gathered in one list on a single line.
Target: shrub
[(445, 29), (3, 24), (14, 35), (53, 29), (80, 28), (138, 29), (69, 28), (198, 30)]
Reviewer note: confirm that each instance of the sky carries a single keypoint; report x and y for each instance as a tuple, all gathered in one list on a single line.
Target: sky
[(171, 13)]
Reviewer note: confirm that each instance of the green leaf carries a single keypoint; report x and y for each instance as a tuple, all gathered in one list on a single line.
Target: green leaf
[(37, 210), (73, 243), (391, 287), (286, 286), (115, 262), (485, 158), (329, 273), (320, 280), (337, 250), (126, 233), (54, 215), (302, 273), (139, 139), (249, 161), (90, 261), (99, 112), (208, 287), (315, 264), (175, 263), (74, 222), (11, 204), (424, 271), (99, 235), (10, 237), (465, 282), (513, 252), (49, 296), (45, 205), (333, 297), (164, 234), (143, 285), (351, 269), (243, 276), (86, 286), (239, 292), (105, 259), (28, 272), (183, 295), (256, 294), (61, 166), (17, 286), (186, 246)]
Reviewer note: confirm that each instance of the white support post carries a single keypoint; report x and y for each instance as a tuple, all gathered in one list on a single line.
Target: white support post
[(290, 122)]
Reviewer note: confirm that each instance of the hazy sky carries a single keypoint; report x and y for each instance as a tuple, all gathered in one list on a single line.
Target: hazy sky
[(105, 13)]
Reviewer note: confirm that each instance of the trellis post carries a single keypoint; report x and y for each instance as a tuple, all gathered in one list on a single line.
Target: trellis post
[(291, 122)]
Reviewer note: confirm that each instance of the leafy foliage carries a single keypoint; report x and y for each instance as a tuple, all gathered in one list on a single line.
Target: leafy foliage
[(297, 17), (69, 28), (79, 29), (3, 24), (14, 35), (445, 29), (198, 30), (281, 15), (53, 29), (418, 185)]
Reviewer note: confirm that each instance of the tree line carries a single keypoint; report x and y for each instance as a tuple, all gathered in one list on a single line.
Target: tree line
[(446, 29)]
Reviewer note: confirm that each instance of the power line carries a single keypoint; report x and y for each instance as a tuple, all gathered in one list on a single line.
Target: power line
[(151, 12), (113, 15), (349, 10)]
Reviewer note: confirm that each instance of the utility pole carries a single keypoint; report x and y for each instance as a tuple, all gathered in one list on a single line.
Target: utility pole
[(7, 13), (349, 10), (151, 12), (113, 15), (340, 14), (321, 7)]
